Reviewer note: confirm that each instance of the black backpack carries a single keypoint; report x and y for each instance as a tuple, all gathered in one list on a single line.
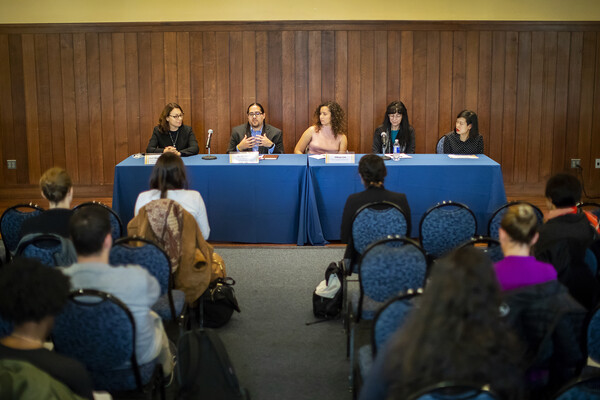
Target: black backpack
[(204, 370), (329, 308)]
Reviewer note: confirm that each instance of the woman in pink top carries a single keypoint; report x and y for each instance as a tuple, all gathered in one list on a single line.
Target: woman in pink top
[(328, 134), (518, 232)]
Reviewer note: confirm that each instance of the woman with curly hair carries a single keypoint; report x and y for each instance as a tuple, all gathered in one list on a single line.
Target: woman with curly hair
[(396, 126), (455, 334), (171, 135), (328, 134)]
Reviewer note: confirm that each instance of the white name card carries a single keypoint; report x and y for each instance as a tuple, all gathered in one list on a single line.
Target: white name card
[(340, 158), (151, 158), (244, 157)]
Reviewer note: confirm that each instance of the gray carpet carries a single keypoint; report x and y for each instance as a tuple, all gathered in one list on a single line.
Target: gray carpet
[(276, 356)]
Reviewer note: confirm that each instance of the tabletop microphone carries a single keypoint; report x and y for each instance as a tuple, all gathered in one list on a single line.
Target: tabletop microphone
[(209, 157), (384, 142)]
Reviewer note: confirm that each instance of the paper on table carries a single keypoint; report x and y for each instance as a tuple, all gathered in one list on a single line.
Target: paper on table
[(318, 156), (472, 156)]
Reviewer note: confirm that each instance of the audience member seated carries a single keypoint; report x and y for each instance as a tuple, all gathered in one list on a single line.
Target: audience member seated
[(168, 181), (171, 135), (372, 171), (133, 285), (57, 188), (518, 232), (31, 295), (455, 334), (328, 134), (565, 237), (396, 126), (465, 138)]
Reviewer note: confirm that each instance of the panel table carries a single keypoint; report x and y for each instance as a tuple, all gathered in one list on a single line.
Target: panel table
[(426, 179), (247, 203)]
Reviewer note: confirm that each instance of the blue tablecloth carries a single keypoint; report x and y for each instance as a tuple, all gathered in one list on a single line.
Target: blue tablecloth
[(296, 199), (248, 203), (426, 179)]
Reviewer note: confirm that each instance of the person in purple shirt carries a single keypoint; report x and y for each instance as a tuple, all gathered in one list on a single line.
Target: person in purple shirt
[(518, 233)]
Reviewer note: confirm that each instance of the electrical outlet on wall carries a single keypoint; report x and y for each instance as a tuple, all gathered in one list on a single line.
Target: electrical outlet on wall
[(11, 164), (575, 162), (597, 162)]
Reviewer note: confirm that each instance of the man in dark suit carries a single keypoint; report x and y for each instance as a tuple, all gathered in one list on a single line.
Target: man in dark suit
[(256, 135)]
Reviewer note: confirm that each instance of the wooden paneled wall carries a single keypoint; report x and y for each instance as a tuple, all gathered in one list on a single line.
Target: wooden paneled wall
[(85, 96)]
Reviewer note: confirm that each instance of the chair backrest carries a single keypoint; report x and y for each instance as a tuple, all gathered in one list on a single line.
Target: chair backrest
[(50, 249), (496, 218), (6, 327), (582, 388), (10, 224), (389, 267), (445, 226), (593, 335), (439, 147), (488, 245), (376, 221), (116, 224), (455, 391), (391, 317), (145, 253), (97, 329)]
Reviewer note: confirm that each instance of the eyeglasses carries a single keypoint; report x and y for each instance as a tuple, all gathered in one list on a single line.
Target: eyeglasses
[(255, 114), (177, 116)]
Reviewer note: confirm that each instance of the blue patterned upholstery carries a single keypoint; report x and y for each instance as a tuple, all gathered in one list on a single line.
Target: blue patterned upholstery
[(50, 249), (115, 222), (99, 330), (439, 147), (450, 391), (143, 252), (371, 224), (582, 389), (388, 267), (496, 218), (488, 245), (6, 327), (445, 226), (591, 261), (10, 224), (593, 336)]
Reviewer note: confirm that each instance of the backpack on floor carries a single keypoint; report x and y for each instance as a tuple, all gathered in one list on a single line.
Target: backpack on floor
[(203, 368), (327, 297)]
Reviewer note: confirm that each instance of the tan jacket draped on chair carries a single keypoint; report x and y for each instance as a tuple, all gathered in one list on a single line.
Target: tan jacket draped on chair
[(166, 223)]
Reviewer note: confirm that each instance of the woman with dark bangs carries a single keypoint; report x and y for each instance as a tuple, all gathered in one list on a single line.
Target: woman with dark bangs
[(456, 333), (465, 138), (395, 126)]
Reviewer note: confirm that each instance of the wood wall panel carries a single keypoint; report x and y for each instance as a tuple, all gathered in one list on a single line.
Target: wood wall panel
[(86, 96)]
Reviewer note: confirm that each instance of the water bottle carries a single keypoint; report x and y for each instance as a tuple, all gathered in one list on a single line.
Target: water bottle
[(396, 155)]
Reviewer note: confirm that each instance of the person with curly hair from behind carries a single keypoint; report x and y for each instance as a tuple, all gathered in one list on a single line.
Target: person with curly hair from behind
[(327, 134)]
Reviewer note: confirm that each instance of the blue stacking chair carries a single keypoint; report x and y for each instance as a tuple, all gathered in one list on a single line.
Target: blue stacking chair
[(6, 327), (445, 226), (455, 391), (10, 225), (140, 251), (496, 218), (388, 320), (587, 388), (50, 249), (387, 268), (593, 335), (488, 245), (98, 329), (116, 224), (439, 147)]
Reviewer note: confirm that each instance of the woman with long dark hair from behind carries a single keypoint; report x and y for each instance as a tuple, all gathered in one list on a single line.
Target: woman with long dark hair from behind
[(456, 333), (169, 181), (396, 126)]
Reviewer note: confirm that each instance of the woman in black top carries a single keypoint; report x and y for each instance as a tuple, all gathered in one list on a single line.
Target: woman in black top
[(396, 126), (170, 135), (465, 138)]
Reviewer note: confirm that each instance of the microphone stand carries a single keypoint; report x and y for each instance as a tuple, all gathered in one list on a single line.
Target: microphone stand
[(209, 157), (384, 141)]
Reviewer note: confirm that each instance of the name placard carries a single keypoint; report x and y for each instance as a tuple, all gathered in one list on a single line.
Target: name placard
[(244, 157), (151, 158), (340, 158)]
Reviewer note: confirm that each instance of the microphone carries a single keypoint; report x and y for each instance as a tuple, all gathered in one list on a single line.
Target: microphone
[(384, 142), (209, 157), (210, 132)]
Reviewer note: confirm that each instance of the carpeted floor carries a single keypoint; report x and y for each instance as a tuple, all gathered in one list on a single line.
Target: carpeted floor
[(275, 354)]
